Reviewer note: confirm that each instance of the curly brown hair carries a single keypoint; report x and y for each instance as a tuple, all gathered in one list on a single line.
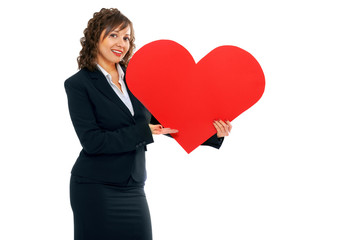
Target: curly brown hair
[(108, 20)]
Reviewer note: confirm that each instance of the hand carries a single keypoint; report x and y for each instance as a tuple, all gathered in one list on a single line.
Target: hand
[(158, 129), (223, 128)]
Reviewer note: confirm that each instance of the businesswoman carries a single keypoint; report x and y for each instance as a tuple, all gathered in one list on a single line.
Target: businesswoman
[(107, 182)]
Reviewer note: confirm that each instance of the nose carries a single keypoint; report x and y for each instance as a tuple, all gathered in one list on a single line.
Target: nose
[(120, 42)]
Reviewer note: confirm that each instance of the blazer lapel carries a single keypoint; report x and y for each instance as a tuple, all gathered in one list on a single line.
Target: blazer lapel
[(103, 86)]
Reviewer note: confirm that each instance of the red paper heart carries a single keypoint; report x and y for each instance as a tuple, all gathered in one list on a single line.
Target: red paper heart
[(187, 96)]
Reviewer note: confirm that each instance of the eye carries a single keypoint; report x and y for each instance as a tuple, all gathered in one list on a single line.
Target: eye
[(113, 35), (126, 38)]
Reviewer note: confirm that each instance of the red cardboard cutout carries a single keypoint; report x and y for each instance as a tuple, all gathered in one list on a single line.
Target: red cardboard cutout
[(187, 96)]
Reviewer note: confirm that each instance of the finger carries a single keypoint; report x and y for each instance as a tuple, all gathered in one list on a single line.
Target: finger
[(225, 127), (229, 124), (172, 130), (168, 130), (216, 126), (220, 127), (221, 131)]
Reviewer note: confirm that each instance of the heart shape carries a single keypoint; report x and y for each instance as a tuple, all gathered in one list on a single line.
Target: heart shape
[(189, 96)]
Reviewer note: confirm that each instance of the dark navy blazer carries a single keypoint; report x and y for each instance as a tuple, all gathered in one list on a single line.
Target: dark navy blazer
[(113, 140)]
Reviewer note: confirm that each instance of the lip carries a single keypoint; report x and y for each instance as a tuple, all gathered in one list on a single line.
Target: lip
[(118, 53)]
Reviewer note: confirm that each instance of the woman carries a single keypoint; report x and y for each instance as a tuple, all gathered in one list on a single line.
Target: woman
[(107, 183)]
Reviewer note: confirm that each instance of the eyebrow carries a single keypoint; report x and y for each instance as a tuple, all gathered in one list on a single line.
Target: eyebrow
[(118, 30)]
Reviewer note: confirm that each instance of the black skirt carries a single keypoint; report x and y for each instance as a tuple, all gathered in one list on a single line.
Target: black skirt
[(105, 211)]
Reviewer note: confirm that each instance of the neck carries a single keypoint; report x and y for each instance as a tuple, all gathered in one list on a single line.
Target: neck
[(108, 67)]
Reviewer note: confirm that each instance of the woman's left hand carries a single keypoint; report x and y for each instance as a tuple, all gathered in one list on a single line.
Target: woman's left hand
[(158, 129), (223, 128)]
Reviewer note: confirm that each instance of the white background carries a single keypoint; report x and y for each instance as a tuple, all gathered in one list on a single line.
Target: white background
[(289, 170)]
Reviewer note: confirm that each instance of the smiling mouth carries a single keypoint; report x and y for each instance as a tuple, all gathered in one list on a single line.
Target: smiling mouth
[(117, 53)]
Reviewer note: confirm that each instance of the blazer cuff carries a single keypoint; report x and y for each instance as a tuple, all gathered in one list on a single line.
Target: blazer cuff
[(144, 132), (214, 141)]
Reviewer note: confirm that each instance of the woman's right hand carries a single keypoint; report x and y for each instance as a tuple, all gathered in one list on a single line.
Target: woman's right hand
[(158, 129), (223, 128)]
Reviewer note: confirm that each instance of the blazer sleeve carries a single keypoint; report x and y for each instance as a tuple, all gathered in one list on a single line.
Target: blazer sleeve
[(95, 140), (213, 141)]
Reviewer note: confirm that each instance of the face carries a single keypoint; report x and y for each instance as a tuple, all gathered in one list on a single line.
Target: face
[(113, 47)]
